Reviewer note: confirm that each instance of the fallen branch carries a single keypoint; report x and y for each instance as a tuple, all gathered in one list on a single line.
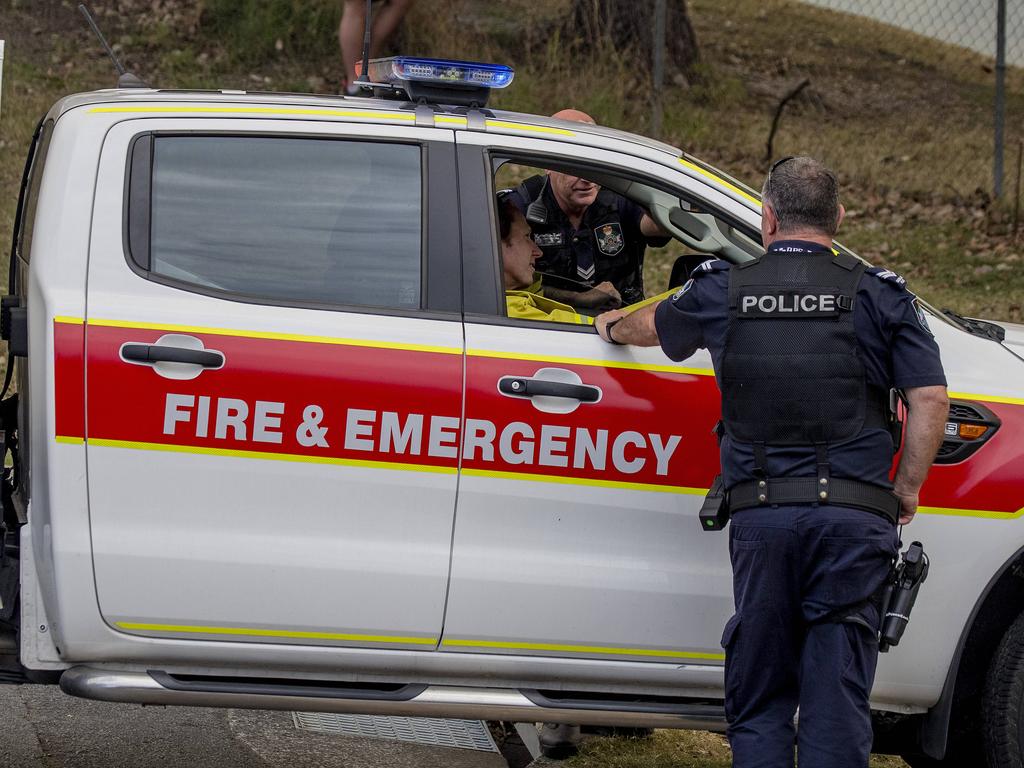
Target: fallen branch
[(778, 116)]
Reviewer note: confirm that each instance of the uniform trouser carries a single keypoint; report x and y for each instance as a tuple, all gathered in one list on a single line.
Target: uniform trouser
[(805, 583)]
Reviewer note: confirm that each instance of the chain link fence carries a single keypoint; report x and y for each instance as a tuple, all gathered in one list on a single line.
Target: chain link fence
[(991, 34), (971, 24)]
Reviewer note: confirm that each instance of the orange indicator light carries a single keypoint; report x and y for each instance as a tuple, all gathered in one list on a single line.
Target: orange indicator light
[(972, 431)]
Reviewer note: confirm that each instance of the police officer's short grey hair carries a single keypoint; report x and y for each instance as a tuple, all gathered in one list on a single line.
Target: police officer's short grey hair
[(804, 195)]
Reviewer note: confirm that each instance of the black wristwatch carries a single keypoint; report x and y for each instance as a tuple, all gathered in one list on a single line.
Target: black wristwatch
[(608, 331)]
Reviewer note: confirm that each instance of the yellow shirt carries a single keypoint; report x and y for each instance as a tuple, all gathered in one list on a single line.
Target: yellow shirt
[(529, 306)]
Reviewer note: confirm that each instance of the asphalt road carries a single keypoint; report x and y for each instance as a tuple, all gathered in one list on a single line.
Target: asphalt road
[(43, 728)]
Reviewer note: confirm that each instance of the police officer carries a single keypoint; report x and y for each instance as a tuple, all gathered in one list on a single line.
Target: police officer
[(593, 240), (806, 344)]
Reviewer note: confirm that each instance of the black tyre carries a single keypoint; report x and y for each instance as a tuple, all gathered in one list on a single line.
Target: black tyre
[(1003, 702), (923, 761)]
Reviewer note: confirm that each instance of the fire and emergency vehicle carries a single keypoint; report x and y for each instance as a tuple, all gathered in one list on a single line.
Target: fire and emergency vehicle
[(279, 446)]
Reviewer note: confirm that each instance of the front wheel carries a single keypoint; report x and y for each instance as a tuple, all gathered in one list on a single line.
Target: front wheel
[(1003, 702), (923, 761)]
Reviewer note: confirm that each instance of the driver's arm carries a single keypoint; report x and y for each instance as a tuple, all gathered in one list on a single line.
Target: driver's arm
[(650, 228), (601, 296)]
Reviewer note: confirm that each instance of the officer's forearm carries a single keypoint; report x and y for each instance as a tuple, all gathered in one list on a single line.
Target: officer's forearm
[(637, 328), (927, 411)]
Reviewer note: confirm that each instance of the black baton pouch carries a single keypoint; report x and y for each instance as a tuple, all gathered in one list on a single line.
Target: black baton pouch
[(714, 513)]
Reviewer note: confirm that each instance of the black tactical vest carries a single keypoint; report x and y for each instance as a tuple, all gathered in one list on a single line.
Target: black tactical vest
[(622, 266), (791, 369)]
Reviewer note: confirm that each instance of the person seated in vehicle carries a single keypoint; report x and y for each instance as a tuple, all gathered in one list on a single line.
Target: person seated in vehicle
[(518, 255), (593, 240)]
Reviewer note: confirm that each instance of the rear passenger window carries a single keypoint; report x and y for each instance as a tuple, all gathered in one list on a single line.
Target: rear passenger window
[(320, 221)]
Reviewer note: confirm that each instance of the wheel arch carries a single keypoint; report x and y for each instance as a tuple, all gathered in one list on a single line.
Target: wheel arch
[(965, 679)]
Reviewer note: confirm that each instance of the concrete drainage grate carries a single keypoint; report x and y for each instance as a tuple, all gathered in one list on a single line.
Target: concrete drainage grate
[(432, 731)]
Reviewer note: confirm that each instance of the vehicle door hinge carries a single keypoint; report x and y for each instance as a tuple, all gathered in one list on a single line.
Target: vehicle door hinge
[(14, 325)]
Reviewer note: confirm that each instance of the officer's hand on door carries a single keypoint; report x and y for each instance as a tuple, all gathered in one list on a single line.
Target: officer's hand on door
[(601, 323)]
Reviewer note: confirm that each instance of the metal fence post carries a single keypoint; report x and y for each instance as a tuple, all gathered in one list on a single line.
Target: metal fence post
[(1000, 115), (1, 70), (658, 69)]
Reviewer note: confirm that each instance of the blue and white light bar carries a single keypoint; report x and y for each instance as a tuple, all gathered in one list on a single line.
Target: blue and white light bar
[(397, 69), (440, 80)]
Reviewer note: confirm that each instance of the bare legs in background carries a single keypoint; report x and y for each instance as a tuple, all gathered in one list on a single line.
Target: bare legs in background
[(386, 18)]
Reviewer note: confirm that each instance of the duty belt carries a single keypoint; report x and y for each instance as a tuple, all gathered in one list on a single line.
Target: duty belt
[(809, 490)]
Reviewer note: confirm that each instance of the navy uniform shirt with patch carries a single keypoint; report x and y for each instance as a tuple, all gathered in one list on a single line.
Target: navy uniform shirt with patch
[(607, 246), (897, 348)]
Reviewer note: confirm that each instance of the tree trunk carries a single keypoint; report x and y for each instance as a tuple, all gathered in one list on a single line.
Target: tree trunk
[(628, 26)]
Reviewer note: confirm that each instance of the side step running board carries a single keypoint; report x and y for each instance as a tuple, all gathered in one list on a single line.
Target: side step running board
[(404, 701), (655, 705), (259, 686)]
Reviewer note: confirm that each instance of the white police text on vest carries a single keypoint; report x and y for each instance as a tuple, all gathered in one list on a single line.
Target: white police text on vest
[(789, 303)]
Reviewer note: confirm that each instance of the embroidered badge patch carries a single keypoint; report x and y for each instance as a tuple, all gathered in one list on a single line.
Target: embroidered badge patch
[(609, 238), (922, 320)]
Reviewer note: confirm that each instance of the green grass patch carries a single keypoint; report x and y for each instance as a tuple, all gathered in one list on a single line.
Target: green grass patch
[(948, 265), (672, 749), (251, 30), (30, 87)]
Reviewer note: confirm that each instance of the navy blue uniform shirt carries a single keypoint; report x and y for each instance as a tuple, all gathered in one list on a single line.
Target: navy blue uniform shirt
[(898, 351), (608, 245)]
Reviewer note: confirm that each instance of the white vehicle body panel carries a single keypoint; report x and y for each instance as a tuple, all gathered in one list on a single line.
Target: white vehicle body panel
[(235, 542), (635, 555)]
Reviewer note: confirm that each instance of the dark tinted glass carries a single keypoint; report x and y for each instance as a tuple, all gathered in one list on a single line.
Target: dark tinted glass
[(310, 220)]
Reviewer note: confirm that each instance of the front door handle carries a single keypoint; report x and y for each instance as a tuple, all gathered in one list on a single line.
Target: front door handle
[(519, 386), (156, 353)]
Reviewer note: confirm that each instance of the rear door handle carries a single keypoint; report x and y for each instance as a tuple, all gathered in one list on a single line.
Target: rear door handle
[(157, 353), (518, 386)]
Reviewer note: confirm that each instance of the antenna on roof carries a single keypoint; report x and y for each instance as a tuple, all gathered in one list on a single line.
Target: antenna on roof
[(125, 79), (364, 72)]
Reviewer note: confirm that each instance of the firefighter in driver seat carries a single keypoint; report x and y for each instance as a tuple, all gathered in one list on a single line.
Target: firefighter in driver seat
[(518, 254)]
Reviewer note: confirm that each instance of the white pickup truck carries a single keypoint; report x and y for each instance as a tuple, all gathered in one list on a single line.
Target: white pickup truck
[(263, 458)]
